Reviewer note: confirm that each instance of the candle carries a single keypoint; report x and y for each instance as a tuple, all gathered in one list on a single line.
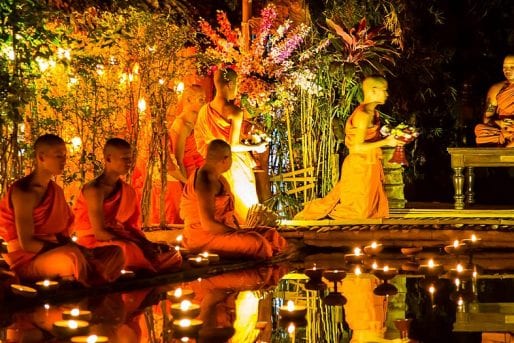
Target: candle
[(3, 249), (357, 271), (23, 290), (385, 273), (460, 305), (314, 273), (292, 311), (456, 247), (356, 257), (411, 251), (373, 249), (473, 241), (198, 261), (127, 274), (89, 339), (431, 290), (431, 268), (179, 239), (187, 327), (183, 251), (77, 314), (185, 309), (47, 285), (213, 258), (334, 275), (70, 327), (180, 294)]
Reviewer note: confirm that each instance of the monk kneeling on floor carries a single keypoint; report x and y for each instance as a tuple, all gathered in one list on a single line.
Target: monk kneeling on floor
[(207, 207), (35, 221), (107, 213)]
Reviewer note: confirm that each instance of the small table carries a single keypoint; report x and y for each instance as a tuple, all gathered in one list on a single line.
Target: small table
[(475, 157)]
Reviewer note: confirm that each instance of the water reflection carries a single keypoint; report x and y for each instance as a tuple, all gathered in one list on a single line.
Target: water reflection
[(369, 299)]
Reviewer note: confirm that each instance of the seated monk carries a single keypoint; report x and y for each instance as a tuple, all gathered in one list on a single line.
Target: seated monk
[(497, 128), (207, 207), (360, 192), (221, 119), (35, 221), (107, 213)]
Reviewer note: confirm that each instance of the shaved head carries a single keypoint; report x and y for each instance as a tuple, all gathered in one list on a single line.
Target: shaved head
[(116, 144), (47, 141), (224, 76), (217, 150), (371, 82)]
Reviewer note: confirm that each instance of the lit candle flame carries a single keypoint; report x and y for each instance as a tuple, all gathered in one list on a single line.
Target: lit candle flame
[(475, 274), (92, 339), (374, 265), (179, 238), (184, 323), (358, 271), (185, 305), (431, 263), (473, 238), (72, 324), (357, 251), (290, 306), (386, 269), (460, 302), (75, 312), (456, 243), (373, 245), (457, 282), (460, 268), (46, 283), (431, 289), (291, 328), (198, 259), (205, 254), (178, 293), (177, 248)]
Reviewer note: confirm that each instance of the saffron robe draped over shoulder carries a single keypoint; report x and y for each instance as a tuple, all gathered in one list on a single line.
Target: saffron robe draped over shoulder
[(53, 217), (212, 125), (253, 243), (192, 158), (359, 192), (121, 216), (492, 134)]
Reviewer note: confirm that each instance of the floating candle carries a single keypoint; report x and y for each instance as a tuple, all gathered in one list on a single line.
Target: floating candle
[(431, 268), (314, 273), (180, 294), (385, 273), (334, 275), (89, 339), (213, 258), (179, 239), (183, 251), (70, 327), (127, 274), (185, 309), (77, 314), (456, 248), (292, 311), (373, 249), (23, 290), (187, 327), (198, 261), (47, 285)]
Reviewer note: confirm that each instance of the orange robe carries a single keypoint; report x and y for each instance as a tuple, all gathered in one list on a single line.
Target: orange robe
[(360, 192), (253, 243), (121, 215), (212, 125), (492, 134), (171, 202), (53, 217)]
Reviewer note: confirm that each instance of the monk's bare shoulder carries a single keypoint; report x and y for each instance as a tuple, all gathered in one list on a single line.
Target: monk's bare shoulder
[(93, 189), (25, 193), (205, 182)]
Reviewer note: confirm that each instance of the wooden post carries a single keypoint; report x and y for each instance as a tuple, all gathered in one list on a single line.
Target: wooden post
[(245, 28)]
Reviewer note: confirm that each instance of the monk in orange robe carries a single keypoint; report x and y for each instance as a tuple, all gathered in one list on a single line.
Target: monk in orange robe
[(35, 221), (360, 192), (497, 128), (221, 119), (207, 207), (107, 213)]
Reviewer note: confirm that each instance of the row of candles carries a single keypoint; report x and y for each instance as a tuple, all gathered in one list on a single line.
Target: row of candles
[(201, 260)]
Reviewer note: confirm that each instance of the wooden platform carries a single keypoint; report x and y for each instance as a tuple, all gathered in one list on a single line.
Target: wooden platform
[(408, 227)]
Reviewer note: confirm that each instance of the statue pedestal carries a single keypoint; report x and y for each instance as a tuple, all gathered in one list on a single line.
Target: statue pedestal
[(393, 180)]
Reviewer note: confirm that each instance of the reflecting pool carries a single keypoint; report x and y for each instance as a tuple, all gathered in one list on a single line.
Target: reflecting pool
[(395, 296)]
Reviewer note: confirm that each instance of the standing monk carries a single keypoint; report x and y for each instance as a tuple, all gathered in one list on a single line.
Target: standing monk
[(221, 119), (182, 136), (107, 213), (207, 206), (497, 128), (35, 221), (360, 192)]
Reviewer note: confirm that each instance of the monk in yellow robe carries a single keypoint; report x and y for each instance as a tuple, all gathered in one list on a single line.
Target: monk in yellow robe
[(359, 192), (35, 220), (221, 119), (497, 128), (107, 213), (207, 207)]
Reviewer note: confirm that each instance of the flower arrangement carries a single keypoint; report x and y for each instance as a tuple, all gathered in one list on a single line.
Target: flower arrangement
[(269, 69), (404, 133), (255, 136)]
